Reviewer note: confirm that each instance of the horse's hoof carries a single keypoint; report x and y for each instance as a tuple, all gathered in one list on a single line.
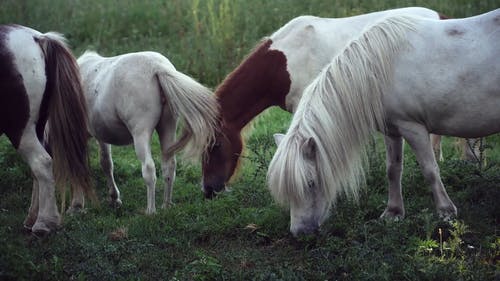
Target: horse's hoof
[(29, 222), (40, 233), (42, 229), (167, 205), (394, 214), (447, 214), (27, 228), (75, 210), (115, 203)]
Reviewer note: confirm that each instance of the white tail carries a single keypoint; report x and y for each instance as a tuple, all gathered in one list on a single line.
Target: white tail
[(196, 106)]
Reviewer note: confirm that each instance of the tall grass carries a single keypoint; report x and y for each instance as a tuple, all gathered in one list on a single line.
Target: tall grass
[(242, 235), (205, 38)]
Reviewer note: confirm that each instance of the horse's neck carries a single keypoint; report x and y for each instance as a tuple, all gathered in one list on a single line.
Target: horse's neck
[(242, 108), (261, 81)]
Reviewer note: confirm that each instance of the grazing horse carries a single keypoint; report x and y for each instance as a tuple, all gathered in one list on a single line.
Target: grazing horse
[(406, 77), (132, 95), (40, 82), (275, 74)]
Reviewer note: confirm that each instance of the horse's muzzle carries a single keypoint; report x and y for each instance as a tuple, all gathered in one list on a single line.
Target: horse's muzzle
[(210, 191)]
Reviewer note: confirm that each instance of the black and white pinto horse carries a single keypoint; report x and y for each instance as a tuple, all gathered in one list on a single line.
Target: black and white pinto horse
[(40, 84)]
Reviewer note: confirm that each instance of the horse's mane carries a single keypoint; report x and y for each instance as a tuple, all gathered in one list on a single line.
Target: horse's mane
[(340, 109)]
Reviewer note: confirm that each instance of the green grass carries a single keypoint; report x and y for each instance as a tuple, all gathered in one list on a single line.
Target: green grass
[(242, 235)]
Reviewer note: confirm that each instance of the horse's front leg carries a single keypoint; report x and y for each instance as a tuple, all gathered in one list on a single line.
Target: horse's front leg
[(394, 165), (418, 138), (106, 161)]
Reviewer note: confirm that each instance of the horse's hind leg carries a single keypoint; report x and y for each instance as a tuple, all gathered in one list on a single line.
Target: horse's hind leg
[(471, 149), (166, 131), (394, 157), (33, 210), (418, 138), (436, 146), (40, 163), (107, 167), (142, 145)]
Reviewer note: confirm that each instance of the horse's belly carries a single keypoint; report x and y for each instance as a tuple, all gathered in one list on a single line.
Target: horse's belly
[(120, 138), (472, 127), (469, 120), (110, 131)]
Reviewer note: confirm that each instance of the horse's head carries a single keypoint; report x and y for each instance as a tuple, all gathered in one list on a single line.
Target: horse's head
[(294, 180), (220, 161)]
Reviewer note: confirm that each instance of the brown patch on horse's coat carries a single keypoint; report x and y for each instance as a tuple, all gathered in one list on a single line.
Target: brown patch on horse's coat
[(496, 20), (14, 103), (455, 32), (260, 81), (451, 31)]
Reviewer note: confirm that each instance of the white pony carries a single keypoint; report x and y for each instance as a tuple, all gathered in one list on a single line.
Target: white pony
[(406, 77), (131, 95)]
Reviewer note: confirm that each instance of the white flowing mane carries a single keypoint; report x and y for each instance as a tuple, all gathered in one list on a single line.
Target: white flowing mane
[(340, 109)]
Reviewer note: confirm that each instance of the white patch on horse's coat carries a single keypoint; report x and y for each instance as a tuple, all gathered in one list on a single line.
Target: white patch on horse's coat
[(29, 61)]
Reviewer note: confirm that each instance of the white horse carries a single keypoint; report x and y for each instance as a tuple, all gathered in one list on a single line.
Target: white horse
[(40, 84), (406, 77), (131, 95), (276, 74)]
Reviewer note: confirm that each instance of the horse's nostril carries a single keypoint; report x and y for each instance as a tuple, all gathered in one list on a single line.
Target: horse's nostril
[(219, 188), (208, 192), (209, 195)]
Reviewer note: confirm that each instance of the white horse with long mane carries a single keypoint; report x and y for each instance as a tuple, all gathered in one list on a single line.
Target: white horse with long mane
[(406, 77), (132, 95)]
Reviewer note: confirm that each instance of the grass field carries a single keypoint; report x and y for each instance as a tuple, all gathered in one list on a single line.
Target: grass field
[(242, 235)]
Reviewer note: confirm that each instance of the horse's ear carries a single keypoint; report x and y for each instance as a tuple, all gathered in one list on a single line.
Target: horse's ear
[(278, 138), (309, 148)]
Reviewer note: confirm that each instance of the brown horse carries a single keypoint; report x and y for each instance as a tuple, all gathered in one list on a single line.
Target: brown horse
[(275, 74), (40, 84)]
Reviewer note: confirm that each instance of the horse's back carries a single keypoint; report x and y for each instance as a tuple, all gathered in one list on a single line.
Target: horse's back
[(451, 75), (309, 43), (22, 79), (121, 91)]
